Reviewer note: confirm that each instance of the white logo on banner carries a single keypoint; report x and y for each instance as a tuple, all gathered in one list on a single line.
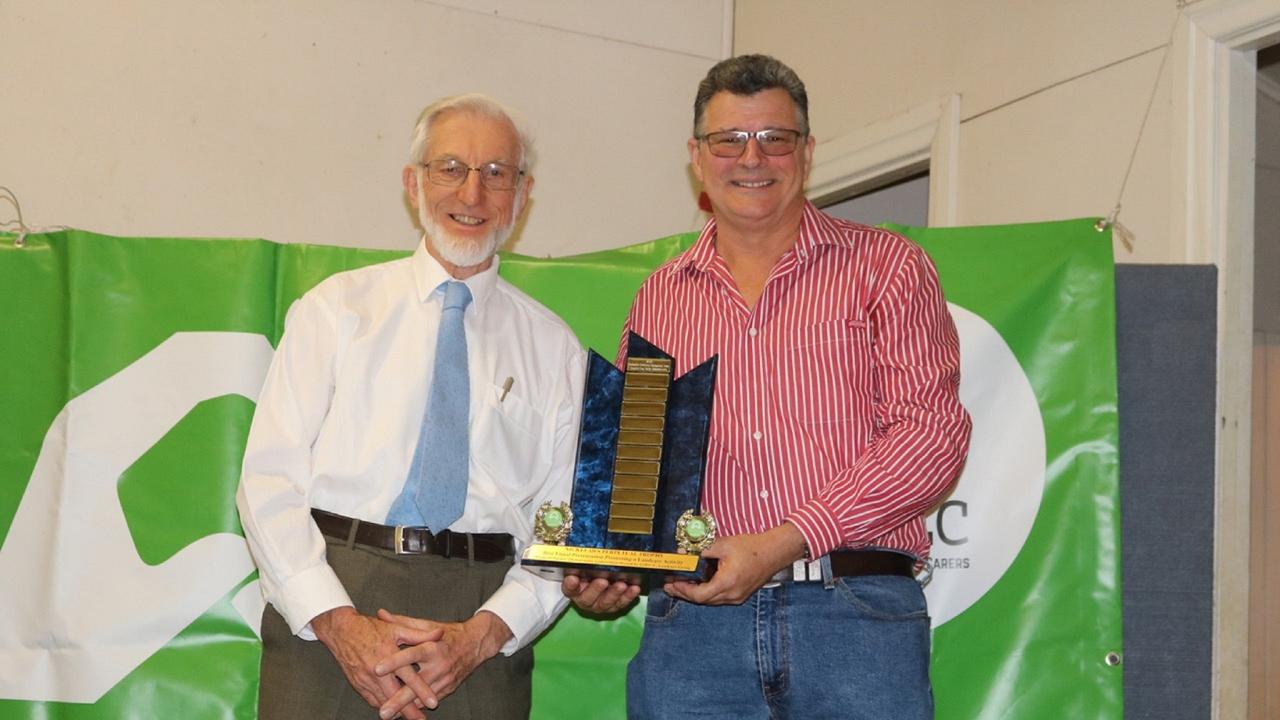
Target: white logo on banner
[(980, 528), (81, 608)]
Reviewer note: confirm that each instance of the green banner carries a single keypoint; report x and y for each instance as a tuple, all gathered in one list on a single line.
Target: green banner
[(131, 370)]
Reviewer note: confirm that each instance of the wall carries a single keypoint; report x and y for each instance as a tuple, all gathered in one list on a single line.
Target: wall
[(1052, 96), (290, 120)]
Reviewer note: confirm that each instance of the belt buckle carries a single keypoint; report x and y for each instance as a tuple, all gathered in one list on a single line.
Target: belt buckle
[(798, 571), (398, 540)]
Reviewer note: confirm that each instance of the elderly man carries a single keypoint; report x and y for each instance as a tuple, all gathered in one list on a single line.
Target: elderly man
[(836, 427), (415, 415)]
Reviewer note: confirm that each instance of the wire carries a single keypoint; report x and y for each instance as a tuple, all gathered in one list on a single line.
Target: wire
[(20, 226), (21, 239), (1112, 220)]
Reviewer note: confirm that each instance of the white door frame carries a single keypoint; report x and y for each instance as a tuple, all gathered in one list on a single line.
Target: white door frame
[(927, 135), (1213, 123)]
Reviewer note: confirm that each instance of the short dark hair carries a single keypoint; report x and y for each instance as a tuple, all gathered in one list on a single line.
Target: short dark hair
[(748, 75)]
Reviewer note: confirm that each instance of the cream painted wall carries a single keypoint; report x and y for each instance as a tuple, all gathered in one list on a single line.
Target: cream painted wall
[(290, 119), (1052, 96)]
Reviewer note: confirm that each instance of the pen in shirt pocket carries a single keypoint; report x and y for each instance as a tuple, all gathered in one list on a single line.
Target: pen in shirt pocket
[(506, 387)]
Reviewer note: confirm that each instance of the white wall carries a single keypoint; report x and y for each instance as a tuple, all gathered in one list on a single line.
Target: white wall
[(290, 119), (1052, 96)]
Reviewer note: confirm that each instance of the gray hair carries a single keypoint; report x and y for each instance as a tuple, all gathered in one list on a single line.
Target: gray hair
[(748, 75), (470, 102)]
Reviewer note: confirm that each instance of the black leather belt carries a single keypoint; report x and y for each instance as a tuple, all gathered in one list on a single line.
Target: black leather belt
[(481, 547), (850, 563)]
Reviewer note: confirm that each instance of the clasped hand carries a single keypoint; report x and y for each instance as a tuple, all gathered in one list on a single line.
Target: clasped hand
[(401, 664), (436, 657)]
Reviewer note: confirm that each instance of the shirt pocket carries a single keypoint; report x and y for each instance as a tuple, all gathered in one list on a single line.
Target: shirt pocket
[(509, 442), (825, 371)]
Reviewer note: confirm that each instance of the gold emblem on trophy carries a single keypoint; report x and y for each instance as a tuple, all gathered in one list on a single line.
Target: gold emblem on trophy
[(551, 524), (695, 533)]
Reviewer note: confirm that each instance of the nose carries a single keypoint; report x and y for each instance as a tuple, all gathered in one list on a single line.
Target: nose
[(752, 155), (471, 189)]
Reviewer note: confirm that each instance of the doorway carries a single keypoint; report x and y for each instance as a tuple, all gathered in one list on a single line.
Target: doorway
[(1264, 589), (905, 202)]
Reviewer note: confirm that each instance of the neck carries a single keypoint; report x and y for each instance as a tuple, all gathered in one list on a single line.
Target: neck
[(753, 245)]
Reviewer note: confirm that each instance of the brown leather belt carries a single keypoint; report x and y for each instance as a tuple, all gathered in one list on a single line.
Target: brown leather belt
[(481, 547), (850, 563)]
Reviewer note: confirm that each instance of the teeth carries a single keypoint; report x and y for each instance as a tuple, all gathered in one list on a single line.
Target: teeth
[(755, 184), (467, 219)]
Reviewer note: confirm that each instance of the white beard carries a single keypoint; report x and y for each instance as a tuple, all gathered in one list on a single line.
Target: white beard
[(461, 252)]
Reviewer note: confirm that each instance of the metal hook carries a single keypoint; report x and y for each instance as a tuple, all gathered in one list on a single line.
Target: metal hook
[(1119, 231)]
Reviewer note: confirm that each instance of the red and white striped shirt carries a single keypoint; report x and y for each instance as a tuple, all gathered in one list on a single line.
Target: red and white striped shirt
[(836, 403)]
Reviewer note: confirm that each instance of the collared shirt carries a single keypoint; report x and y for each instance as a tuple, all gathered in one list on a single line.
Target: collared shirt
[(339, 417), (836, 403)]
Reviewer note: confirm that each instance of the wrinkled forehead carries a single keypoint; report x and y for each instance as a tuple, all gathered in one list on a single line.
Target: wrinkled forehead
[(769, 108), (475, 137)]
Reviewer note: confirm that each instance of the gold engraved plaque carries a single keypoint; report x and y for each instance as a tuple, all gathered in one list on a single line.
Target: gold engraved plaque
[(644, 395)]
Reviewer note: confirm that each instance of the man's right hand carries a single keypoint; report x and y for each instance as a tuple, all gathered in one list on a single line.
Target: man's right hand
[(358, 642), (599, 596)]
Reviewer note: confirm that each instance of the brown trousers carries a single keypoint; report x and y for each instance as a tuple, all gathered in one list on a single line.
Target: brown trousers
[(301, 681)]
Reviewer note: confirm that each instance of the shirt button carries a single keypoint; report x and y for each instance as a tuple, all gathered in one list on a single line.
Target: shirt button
[(764, 494), (757, 435), (752, 332)]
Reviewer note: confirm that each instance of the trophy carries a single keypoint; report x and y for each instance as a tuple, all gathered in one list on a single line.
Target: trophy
[(637, 488)]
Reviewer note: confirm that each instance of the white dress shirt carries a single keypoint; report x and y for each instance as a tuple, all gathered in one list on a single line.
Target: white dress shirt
[(340, 412)]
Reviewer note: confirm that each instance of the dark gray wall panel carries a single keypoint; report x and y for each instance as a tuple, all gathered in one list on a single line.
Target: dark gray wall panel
[(1166, 326)]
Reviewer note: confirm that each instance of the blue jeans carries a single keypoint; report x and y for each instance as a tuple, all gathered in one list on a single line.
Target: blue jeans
[(859, 650)]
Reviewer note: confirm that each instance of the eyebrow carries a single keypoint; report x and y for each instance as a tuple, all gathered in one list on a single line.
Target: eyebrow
[(736, 129), (451, 156)]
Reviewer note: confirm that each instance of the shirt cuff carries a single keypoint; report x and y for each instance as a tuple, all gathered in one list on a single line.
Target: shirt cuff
[(521, 610), (818, 525), (308, 594)]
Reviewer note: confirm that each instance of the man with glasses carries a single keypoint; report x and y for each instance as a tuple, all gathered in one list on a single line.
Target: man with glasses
[(415, 415), (836, 426)]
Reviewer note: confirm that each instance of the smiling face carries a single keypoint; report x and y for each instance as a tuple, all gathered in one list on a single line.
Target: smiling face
[(754, 191), (466, 224)]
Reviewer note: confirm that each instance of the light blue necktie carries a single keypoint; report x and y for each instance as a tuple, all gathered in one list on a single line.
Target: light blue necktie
[(436, 489)]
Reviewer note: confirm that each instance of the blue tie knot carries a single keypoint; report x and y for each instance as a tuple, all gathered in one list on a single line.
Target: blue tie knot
[(457, 296)]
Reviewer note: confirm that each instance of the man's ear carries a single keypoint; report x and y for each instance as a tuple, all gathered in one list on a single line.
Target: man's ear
[(410, 179), (808, 156), (525, 188), (695, 158)]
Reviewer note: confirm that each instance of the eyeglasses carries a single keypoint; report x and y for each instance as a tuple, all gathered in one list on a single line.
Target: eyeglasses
[(772, 141), (452, 172)]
